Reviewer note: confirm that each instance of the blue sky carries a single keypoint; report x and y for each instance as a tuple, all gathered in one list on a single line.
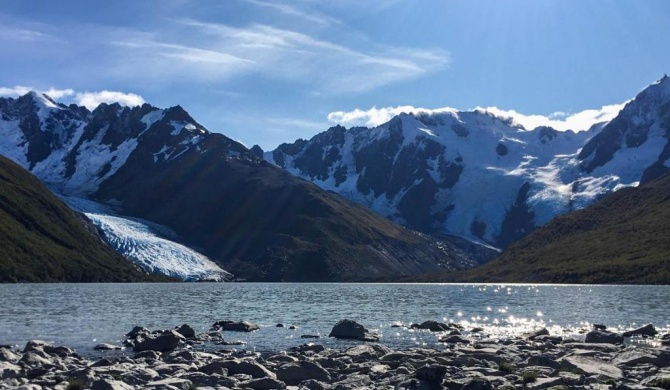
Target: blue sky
[(265, 72)]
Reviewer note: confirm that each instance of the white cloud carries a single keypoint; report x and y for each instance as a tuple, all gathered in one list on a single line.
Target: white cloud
[(561, 121), (92, 100), (20, 90), (377, 116), (89, 100), (58, 93)]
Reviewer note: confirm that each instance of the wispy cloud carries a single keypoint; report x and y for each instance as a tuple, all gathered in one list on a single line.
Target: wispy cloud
[(561, 121), (310, 16), (24, 34), (323, 64)]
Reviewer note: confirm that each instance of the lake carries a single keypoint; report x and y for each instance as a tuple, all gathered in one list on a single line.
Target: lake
[(83, 315)]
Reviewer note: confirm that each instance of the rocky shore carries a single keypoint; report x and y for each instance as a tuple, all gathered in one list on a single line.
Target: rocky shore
[(175, 359)]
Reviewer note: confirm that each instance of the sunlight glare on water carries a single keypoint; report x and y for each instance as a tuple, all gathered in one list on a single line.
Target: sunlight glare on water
[(82, 315)]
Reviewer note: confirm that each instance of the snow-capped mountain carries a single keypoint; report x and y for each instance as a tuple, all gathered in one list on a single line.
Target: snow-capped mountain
[(480, 176), (183, 201)]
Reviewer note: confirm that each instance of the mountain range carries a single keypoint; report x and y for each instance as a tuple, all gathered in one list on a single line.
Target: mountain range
[(185, 202), (182, 201), (484, 177)]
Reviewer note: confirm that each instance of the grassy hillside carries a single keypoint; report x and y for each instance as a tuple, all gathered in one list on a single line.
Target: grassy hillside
[(623, 238), (42, 240)]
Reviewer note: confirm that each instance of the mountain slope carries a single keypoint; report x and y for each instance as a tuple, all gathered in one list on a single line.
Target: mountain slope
[(480, 176), (247, 215), (42, 240), (623, 238)]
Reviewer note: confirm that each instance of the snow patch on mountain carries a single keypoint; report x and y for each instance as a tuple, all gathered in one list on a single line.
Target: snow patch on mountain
[(148, 244), (12, 143)]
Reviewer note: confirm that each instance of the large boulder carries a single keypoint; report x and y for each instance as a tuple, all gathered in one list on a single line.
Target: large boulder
[(238, 366), (235, 326), (165, 342), (432, 374), (589, 366), (9, 370), (364, 353), (603, 337), (263, 384), (186, 331), (647, 330), (349, 329), (294, 373)]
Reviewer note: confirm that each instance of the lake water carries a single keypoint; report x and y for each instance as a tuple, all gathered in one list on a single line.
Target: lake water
[(83, 315)]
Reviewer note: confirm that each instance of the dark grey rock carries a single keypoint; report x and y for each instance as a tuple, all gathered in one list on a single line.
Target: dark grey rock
[(364, 353), (454, 339), (477, 384), (170, 384), (589, 366), (186, 331), (348, 329), (6, 355), (309, 347), (599, 336), (238, 366), (10, 370), (235, 326), (633, 356), (107, 384), (106, 347), (294, 373), (647, 330), (165, 342), (313, 384), (137, 331), (263, 384), (541, 332), (433, 374), (432, 326)]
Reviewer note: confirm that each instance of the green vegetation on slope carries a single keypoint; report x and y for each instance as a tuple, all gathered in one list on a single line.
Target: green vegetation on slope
[(623, 238), (42, 240)]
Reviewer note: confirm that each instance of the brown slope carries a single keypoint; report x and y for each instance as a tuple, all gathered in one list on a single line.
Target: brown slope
[(623, 238), (263, 224), (42, 240)]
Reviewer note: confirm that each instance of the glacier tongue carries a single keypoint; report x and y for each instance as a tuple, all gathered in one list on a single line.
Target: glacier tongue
[(148, 244)]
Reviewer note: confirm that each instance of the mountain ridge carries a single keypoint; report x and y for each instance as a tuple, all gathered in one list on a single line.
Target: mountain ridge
[(247, 215), (477, 175)]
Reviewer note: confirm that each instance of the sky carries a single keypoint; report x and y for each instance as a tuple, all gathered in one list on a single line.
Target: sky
[(266, 72)]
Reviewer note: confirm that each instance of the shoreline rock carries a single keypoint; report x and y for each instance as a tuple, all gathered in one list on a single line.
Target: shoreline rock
[(469, 363)]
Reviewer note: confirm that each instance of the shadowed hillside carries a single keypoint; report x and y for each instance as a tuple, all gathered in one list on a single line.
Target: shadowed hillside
[(624, 238), (42, 240)]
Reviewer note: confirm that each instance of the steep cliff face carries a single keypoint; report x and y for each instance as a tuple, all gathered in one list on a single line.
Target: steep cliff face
[(480, 176)]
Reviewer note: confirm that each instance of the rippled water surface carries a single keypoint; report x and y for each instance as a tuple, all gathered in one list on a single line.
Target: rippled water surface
[(83, 315)]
